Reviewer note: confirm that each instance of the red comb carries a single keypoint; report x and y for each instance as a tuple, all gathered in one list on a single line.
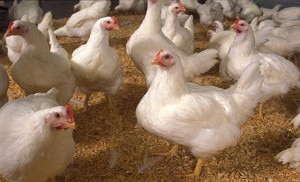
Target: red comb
[(69, 111), (115, 19), (10, 25), (237, 21)]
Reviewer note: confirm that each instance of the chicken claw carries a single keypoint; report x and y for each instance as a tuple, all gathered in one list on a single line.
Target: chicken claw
[(197, 171), (170, 153)]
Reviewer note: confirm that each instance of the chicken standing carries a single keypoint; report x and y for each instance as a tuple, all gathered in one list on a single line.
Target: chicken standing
[(36, 143), (280, 74), (95, 64), (206, 119), (38, 69), (149, 38), (183, 37), (81, 22), (3, 86)]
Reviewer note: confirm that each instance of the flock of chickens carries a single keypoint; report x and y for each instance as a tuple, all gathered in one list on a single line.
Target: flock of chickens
[(206, 119)]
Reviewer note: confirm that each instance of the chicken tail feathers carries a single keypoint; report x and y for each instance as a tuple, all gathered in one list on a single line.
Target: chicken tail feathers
[(62, 31), (247, 91), (200, 62), (189, 24)]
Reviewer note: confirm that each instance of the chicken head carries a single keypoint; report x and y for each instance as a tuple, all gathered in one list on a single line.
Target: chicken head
[(61, 118), (15, 28)]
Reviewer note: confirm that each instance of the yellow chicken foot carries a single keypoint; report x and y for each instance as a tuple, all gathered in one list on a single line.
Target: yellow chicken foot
[(170, 153), (197, 171), (260, 112)]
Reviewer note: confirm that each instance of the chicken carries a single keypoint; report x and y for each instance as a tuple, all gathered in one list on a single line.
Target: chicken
[(38, 69), (149, 38), (126, 5), (221, 40), (190, 5), (292, 154), (36, 144), (286, 14), (95, 64), (183, 37), (14, 44), (249, 10), (280, 74), (46, 23), (206, 119), (182, 16), (83, 4), (210, 12), (268, 13), (30, 7), (81, 22), (3, 86), (228, 7)]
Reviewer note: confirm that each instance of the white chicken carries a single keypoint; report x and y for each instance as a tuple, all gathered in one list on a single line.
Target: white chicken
[(280, 74), (292, 154), (95, 64), (30, 7), (3, 86), (182, 16), (228, 7), (190, 5), (249, 10), (209, 12), (82, 4), (81, 22), (221, 40), (36, 144), (183, 37), (126, 5), (149, 38), (267, 13), (38, 69), (206, 119), (14, 44), (286, 14)]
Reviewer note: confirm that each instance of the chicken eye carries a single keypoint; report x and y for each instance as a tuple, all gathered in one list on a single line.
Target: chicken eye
[(167, 56), (242, 24), (57, 115), (18, 28), (108, 22)]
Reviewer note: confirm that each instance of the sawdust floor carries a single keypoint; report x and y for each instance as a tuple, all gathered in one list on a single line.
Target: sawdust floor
[(103, 135)]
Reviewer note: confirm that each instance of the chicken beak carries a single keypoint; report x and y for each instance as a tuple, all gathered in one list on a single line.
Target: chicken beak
[(69, 124), (182, 8), (155, 61), (8, 33), (157, 57), (116, 27)]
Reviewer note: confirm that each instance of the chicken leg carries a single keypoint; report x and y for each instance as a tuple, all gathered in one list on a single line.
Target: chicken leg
[(260, 111), (197, 170), (170, 153)]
